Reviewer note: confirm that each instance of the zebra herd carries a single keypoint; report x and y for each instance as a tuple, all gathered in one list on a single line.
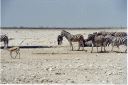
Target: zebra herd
[(96, 39)]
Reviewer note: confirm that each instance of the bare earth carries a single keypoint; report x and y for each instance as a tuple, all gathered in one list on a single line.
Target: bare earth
[(58, 64)]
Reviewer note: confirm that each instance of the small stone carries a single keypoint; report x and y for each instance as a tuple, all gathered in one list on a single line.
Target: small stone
[(72, 81), (4, 66), (58, 73), (49, 69)]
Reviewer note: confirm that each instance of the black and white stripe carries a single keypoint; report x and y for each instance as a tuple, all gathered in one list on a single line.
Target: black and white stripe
[(120, 34), (4, 38)]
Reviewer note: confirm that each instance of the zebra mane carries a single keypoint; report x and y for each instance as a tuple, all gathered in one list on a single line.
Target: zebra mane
[(63, 31)]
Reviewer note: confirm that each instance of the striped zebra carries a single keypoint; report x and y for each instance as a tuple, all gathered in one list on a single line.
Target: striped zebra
[(120, 34), (97, 40), (73, 38), (117, 41), (4, 38)]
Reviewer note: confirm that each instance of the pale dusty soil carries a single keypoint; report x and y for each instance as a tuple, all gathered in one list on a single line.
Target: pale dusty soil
[(58, 64)]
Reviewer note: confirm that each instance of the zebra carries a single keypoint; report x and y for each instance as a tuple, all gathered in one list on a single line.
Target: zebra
[(120, 34), (59, 39), (117, 41), (4, 38), (97, 40), (73, 38)]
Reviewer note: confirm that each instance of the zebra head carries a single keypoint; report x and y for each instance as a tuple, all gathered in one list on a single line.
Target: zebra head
[(59, 39), (4, 38)]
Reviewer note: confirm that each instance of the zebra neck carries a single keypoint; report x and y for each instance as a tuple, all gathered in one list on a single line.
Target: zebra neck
[(68, 37)]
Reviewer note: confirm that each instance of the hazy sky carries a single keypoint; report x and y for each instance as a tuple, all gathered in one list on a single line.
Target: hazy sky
[(64, 13)]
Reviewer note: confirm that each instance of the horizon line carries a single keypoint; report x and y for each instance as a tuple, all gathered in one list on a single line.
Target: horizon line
[(64, 27)]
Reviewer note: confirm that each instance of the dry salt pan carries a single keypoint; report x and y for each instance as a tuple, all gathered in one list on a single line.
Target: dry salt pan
[(118, 54), (96, 54)]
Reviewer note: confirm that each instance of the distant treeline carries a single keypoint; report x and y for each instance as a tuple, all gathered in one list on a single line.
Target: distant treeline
[(63, 27)]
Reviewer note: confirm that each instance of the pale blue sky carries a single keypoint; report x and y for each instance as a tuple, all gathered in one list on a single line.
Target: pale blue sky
[(64, 13)]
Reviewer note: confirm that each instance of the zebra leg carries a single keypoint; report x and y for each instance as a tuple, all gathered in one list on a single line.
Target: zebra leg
[(108, 44), (118, 49), (83, 46), (5, 45), (126, 50), (92, 49), (112, 47), (104, 49), (71, 46), (97, 49), (101, 48), (104, 46), (79, 45)]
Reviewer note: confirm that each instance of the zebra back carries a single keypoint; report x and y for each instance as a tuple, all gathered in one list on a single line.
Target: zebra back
[(104, 33), (120, 34)]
